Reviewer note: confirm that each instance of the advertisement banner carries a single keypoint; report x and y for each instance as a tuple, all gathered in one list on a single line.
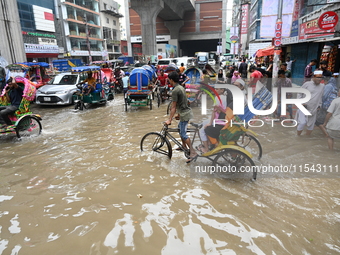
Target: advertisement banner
[(267, 28), (270, 7), (244, 19), (311, 29), (253, 13)]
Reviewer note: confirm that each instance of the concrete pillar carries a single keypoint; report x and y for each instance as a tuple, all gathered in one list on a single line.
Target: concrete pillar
[(174, 27), (148, 11), (12, 44)]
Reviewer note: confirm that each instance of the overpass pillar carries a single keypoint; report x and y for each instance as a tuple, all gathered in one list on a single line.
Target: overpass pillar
[(148, 11), (174, 27)]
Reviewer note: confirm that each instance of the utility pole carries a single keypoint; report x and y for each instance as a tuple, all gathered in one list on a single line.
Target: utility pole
[(277, 42), (87, 38)]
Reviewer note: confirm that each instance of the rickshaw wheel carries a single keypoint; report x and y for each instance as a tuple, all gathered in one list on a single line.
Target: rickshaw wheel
[(154, 142), (234, 162), (251, 144), (28, 126)]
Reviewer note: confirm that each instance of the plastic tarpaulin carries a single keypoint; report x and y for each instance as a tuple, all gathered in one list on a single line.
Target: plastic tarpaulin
[(265, 52)]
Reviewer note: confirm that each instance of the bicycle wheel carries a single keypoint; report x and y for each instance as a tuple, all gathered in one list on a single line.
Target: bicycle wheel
[(251, 144), (234, 162), (158, 100), (168, 108), (155, 142), (28, 126)]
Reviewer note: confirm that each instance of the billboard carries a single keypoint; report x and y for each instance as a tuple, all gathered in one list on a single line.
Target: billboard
[(244, 19), (269, 17), (43, 18)]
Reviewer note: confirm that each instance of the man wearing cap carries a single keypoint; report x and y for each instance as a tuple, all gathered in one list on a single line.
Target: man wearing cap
[(336, 77), (13, 94), (2, 78), (316, 90)]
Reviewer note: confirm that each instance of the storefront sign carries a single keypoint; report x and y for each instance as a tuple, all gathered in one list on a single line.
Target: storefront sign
[(310, 29), (85, 53), (328, 20), (38, 34), (47, 41), (159, 38), (244, 19), (38, 48), (290, 40)]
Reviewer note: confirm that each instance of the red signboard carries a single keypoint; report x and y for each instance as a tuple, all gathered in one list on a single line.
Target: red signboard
[(244, 19), (328, 20), (278, 34), (311, 29)]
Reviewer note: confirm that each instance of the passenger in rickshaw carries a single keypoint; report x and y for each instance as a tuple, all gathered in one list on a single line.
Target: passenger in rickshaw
[(206, 77), (13, 94), (89, 83), (32, 76)]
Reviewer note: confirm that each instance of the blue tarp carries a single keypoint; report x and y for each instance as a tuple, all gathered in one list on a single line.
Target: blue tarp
[(85, 68)]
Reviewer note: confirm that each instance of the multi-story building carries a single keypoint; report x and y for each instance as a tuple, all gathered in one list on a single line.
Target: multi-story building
[(109, 15), (80, 24), (38, 29)]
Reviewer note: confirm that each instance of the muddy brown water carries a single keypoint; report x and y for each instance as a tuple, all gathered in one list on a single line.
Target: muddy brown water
[(84, 187)]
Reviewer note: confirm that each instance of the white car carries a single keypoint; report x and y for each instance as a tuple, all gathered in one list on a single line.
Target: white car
[(59, 90), (212, 62)]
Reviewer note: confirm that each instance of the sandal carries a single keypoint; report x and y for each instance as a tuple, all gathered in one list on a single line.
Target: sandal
[(192, 159), (200, 148)]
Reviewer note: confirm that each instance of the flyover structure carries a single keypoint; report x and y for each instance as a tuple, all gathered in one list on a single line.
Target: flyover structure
[(172, 12)]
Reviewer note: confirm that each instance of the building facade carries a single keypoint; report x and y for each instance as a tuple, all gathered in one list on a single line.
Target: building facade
[(110, 18)]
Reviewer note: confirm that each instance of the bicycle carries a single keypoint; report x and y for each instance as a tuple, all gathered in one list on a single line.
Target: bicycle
[(233, 154)]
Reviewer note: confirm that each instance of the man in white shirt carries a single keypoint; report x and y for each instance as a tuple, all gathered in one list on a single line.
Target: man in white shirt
[(289, 63)]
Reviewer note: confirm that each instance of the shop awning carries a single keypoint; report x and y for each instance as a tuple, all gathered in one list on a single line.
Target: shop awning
[(328, 39), (265, 52)]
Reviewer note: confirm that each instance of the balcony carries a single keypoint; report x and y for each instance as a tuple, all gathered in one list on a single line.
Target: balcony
[(112, 11)]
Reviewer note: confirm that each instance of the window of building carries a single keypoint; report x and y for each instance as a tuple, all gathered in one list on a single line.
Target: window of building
[(114, 34), (125, 49), (105, 6), (107, 20), (114, 22)]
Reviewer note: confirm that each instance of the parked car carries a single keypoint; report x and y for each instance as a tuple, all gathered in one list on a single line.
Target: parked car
[(212, 62), (59, 90), (164, 62)]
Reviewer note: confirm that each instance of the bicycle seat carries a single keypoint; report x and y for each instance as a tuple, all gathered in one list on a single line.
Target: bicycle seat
[(196, 125)]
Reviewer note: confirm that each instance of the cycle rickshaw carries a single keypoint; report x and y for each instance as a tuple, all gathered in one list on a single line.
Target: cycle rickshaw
[(237, 145), (100, 95), (140, 88), (25, 123)]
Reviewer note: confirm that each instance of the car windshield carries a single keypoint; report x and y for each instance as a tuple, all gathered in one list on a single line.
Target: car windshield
[(68, 79), (163, 62), (202, 58)]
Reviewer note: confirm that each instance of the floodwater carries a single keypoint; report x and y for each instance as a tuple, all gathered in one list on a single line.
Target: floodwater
[(84, 187)]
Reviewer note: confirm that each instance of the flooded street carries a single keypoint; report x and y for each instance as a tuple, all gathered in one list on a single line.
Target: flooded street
[(84, 187)]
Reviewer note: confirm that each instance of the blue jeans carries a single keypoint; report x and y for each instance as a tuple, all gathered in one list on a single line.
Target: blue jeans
[(5, 111), (289, 108), (182, 125)]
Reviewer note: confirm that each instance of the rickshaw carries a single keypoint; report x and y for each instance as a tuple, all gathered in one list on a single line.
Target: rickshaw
[(237, 145), (25, 123), (106, 68), (140, 89), (38, 69), (100, 95), (192, 87)]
